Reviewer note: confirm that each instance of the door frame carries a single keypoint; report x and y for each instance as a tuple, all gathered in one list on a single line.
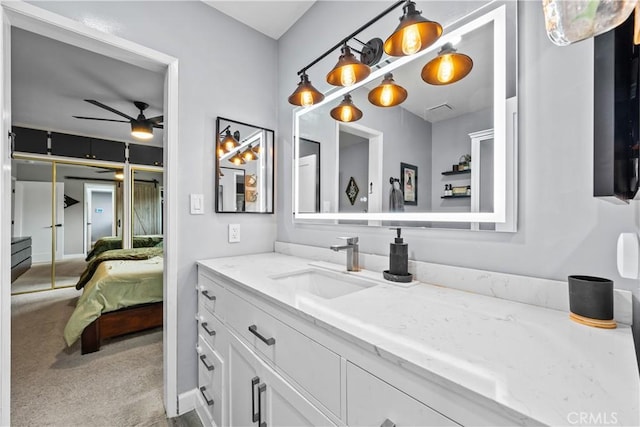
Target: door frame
[(89, 189), (57, 27)]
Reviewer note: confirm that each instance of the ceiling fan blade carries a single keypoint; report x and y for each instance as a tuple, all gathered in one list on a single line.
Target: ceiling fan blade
[(106, 107), (156, 119), (158, 126), (103, 120)]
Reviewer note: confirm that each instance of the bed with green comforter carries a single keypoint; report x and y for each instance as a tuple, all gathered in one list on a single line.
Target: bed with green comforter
[(113, 242), (114, 285)]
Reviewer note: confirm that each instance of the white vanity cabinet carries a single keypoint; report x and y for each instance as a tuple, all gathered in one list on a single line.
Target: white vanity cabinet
[(211, 350), (261, 397)]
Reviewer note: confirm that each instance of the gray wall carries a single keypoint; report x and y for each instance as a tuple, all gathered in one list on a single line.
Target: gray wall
[(205, 42), (562, 229), (450, 140)]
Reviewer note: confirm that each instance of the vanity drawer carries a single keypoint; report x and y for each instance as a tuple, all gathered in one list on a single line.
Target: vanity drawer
[(371, 402), (210, 329), (212, 295), (210, 378), (315, 368)]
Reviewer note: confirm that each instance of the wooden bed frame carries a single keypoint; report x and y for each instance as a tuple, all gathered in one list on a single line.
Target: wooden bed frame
[(120, 322)]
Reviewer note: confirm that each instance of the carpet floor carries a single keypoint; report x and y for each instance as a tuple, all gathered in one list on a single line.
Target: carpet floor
[(52, 385)]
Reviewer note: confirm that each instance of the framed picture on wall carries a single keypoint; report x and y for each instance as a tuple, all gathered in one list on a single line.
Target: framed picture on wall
[(409, 183)]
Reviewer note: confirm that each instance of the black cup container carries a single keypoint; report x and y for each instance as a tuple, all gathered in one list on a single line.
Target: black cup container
[(591, 297)]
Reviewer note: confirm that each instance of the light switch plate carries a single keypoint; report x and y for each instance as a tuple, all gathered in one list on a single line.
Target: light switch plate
[(196, 204), (234, 233)]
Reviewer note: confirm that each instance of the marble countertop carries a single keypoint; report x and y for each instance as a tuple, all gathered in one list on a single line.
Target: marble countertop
[(529, 359)]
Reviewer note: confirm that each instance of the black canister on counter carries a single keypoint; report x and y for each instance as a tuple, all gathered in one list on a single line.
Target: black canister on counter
[(591, 299)]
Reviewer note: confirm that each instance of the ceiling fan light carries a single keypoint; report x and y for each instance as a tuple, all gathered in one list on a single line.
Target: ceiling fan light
[(413, 34), (348, 71), (305, 94), (388, 93), (346, 111), (448, 67), (141, 129), (229, 142)]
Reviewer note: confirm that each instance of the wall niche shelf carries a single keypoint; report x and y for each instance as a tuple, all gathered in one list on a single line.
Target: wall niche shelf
[(456, 172), (461, 196)]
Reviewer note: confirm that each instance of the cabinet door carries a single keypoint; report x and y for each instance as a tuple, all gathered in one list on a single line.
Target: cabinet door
[(373, 402), (30, 140), (261, 397), (66, 145), (112, 151), (145, 155)]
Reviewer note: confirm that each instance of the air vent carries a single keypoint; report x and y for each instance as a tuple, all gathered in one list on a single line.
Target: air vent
[(438, 112)]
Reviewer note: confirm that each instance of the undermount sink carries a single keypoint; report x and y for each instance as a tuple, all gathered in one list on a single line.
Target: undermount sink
[(321, 283)]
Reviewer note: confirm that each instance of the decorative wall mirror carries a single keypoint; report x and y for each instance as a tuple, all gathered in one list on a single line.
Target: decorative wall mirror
[(430, 134), (244, 167)]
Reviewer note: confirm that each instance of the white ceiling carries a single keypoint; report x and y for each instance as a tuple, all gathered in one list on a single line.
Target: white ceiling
[(50, 81), (272, 18)]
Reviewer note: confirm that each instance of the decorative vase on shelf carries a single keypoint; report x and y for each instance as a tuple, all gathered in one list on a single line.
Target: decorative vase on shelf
[(573, 20)]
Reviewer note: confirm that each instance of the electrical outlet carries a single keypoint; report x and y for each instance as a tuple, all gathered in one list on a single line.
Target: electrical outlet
[(234, 233)]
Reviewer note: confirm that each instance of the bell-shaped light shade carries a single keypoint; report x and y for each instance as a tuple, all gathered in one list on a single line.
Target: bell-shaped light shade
[(248, 155), (257, 149), (346, 111), (413, 34), (141, 129), (305, 94), (220, 151), (348, 71), (388, 93), (229, 142), (448, 67), (237, 160)]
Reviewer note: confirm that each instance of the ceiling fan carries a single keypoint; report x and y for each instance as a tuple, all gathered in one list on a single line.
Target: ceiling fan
[(141, 127)]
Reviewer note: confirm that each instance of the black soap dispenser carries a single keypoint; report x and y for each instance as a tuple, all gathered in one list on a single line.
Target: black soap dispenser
[(398, 261)]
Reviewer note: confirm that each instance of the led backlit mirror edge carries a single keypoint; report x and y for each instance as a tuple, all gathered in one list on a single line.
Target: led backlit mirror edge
[(504, 208)]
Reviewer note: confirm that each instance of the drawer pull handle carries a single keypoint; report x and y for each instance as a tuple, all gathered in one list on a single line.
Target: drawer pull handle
[(268, 341), (206, 365), (388, 423), (206, 399), (261, 388), (254, 415), (209, 297), (211, 332)]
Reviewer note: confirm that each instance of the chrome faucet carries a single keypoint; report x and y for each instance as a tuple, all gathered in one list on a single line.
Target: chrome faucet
[(351, 247)]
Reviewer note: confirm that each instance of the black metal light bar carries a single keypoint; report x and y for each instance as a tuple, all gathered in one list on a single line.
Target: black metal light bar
[(352, 35)]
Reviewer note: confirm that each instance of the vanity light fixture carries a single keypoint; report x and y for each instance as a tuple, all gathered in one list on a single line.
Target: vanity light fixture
[(229, 142), (119, 176), (305, 94), (388, 93), (257, 148), (237, 160), (346, 111), (220, 151), (413, 34), (248, 155), (142, 129), (348, 71), (448, 67)]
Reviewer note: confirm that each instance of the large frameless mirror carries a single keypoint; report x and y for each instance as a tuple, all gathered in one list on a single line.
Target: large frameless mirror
[(244, 168), (445, 157)]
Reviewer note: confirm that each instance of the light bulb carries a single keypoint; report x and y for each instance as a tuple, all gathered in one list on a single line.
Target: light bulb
[(386, 96), (346, 114), (411, 42), (307, 98), (347, 76), (220, 151), (445, 70), (229, 145)]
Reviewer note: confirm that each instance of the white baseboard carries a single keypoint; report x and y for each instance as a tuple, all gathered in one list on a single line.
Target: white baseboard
[(187, 401), (69, 256)]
